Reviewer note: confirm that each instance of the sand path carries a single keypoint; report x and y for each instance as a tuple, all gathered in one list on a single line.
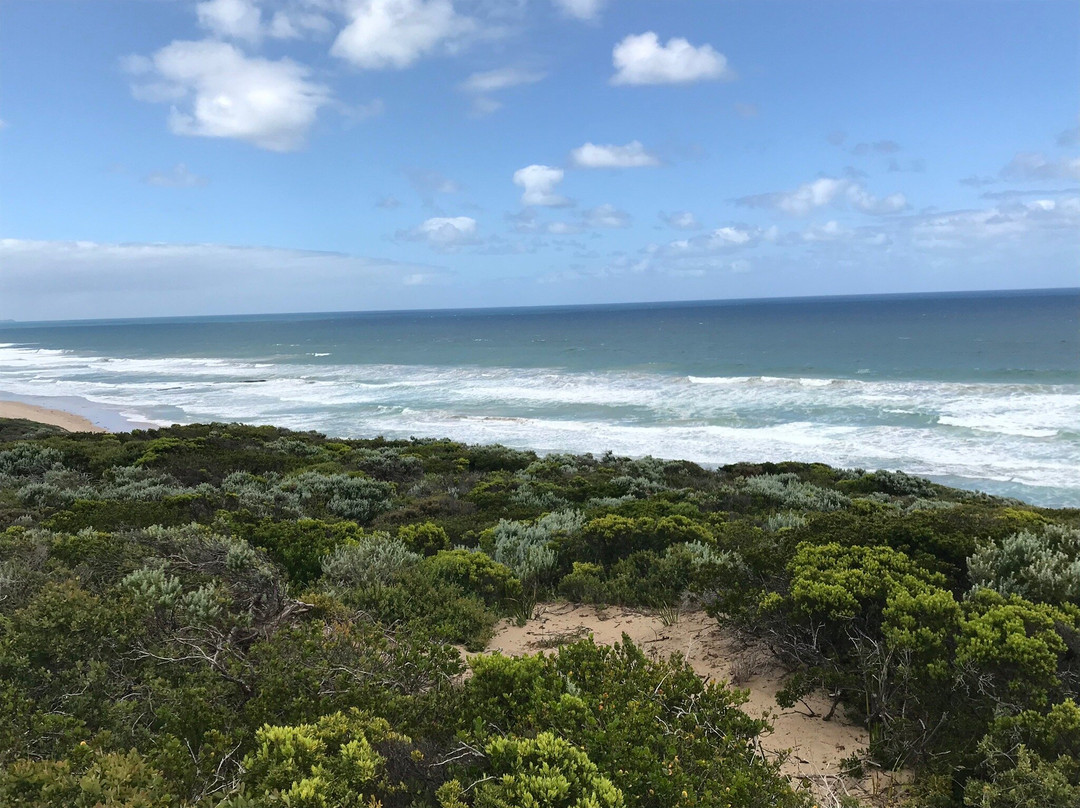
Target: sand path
[(816, 747)]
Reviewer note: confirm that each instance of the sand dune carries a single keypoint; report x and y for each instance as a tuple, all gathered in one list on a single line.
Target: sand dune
[(815, 747)]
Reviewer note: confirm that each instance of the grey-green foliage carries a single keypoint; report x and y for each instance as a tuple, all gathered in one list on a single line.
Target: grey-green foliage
[(1038, 566), (374, 561), (262, 495), (783, 519), (530, 496), (344, 495), (25, 460), (60, 487), (642, 477), (201, 605), (703, 555), (145, 485), (903, 484), (248, 586), (154, 587), (357, 498), (294, 447), (789, 491), (525, 547), (921, 504)]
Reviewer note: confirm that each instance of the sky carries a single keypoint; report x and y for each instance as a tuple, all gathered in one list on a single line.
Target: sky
[(183, 157)]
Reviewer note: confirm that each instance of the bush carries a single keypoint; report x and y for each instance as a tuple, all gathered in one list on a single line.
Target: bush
[(425, 538), (367, 562), (1038, 566)]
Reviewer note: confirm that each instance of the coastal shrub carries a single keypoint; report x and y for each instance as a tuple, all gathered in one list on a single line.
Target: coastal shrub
[(356, 498), (606, 539), (425, 538), (545, 770), (298, 546), (29, 460), (387, 463), (475, 572), (1042, 566), (538, 497), (87, 779), (784, 519), (896, 483), (653, 727), (585, 583), (372, 560), (330, 762), (788, 491), (527, 547)]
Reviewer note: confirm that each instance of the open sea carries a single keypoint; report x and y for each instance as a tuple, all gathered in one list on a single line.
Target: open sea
[(978, 390)]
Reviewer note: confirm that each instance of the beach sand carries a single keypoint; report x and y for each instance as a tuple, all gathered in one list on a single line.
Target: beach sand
[(43, 415), (814, 748)]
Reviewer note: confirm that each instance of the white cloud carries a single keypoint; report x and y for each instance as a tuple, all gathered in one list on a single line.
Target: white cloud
[(1035, 223), (237, 19), (243, 19), (580, 9), (826, 191), (641, 59), (395, 33), (539, 183), (177, 177), (632, 155), (220, 92), (444, 233), (729, 238), (606, 216), (830, 231), (681, 220), (1037, 166), (78, 279), (490, 81)]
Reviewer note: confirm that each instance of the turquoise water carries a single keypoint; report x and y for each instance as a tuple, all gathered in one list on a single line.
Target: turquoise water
[(978, 390)]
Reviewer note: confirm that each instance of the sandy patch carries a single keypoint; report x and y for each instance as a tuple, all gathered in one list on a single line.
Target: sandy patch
[(44, 415), (815, 747)]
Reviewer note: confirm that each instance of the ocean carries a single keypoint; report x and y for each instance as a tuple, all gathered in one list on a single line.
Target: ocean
[(976, 390)]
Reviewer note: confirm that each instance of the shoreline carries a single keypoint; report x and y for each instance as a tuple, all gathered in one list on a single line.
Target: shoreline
[(73, 413), (52, 417)]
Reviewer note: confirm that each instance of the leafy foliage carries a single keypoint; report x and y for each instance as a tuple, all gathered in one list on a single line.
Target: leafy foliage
[(225, 616)]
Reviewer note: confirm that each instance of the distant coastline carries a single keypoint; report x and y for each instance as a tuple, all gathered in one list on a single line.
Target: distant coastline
[(44, 415)]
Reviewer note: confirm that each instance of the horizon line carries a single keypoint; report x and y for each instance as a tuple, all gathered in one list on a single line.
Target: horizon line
[(1049, 290)]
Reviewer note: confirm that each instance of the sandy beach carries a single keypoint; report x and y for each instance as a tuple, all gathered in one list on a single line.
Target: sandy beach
[(44, 415)]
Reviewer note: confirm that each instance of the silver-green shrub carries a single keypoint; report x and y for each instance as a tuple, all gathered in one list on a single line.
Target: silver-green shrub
[(29, 460), (788, 491), (525, 548), (784, 519), (1037, 566), (153, 587), (372, 562)]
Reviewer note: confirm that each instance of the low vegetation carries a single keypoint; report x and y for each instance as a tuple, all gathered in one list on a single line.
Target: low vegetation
[(225, 616)]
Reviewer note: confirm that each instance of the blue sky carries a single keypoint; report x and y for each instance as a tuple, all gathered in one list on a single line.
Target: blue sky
[(166, 157)]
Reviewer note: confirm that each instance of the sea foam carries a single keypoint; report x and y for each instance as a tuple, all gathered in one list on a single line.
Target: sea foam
[(1010, 437)]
